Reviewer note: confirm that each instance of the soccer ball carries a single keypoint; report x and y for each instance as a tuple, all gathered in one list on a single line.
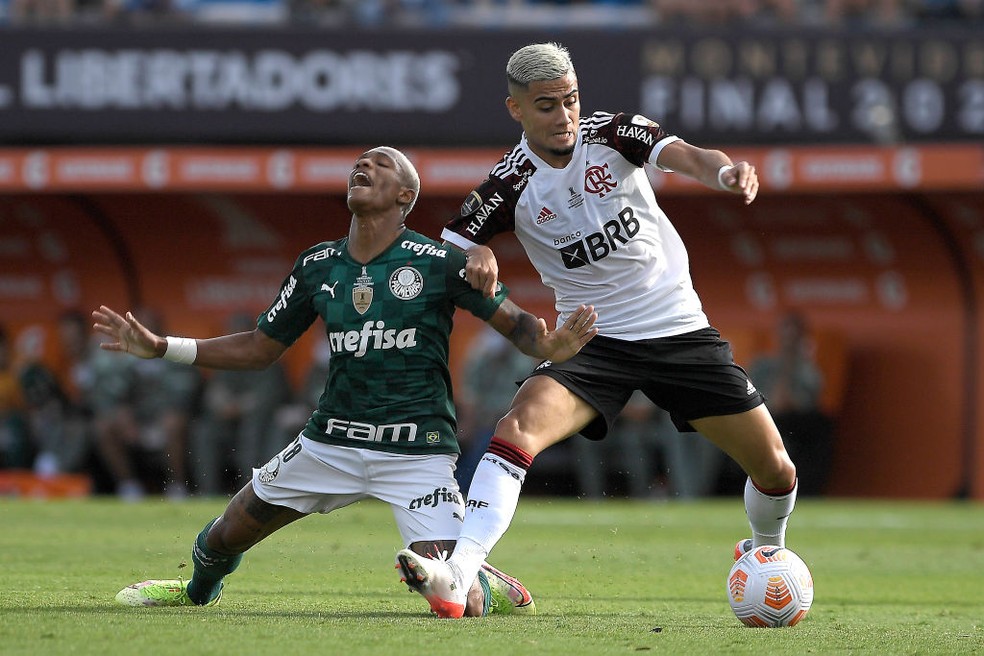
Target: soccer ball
[(770, 587)]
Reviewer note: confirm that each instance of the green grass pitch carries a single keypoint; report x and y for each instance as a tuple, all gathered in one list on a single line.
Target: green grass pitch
[(614, 577)]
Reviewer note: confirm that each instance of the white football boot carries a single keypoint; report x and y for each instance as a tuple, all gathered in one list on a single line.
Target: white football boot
[(436, 580)]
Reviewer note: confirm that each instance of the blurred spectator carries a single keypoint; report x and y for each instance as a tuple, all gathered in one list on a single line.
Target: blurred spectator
[(232, 12), (15, 445), (143, 419), (292, 416), (723, 12), (236, 430), (490, 373), (789, 376), (41, 12), (57, 406), (630, 450), (323, 13), (792, 382), (146, 12), (492, 14), (693, 463), (932, 11), (655, 459), (864, 13)]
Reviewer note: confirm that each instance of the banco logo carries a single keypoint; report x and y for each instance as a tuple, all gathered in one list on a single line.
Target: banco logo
[(599, 245)]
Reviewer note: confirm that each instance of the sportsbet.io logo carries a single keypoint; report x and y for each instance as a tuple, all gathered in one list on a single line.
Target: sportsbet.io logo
[(406, 283)]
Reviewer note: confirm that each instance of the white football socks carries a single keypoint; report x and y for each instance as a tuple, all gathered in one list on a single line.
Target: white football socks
[(768, 515), (492, 500)]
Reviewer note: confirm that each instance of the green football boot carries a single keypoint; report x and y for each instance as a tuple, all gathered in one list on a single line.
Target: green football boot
[(170, 592)]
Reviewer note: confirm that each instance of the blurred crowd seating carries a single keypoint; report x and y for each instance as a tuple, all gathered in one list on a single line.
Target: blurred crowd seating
[(92, 421), (89, 421), (493, 14)]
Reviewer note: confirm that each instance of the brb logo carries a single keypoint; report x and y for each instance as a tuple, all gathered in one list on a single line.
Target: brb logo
[(599, 245)]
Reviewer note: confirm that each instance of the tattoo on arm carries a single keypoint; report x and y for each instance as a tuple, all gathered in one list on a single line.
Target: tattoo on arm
[(524, 332), (518, 326)]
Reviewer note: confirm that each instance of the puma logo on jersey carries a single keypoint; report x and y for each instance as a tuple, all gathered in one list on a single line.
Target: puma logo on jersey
[(330, 290)]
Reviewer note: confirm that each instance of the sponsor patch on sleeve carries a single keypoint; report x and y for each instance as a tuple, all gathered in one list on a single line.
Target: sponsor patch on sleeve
[(471, 204)]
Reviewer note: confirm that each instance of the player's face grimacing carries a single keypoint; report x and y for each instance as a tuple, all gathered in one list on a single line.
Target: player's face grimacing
[(549, 112), (374, 183)]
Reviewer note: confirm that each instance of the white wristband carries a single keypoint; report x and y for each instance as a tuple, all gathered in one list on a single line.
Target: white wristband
[(726, 167), (181, 349)]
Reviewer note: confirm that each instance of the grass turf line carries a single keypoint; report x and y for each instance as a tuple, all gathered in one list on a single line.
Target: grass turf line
[(613, 577)]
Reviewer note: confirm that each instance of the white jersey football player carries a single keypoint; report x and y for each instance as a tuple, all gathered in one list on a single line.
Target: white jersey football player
[(578, 197)]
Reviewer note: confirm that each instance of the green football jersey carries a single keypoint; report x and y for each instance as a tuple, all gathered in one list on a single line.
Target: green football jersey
[(388, 324)]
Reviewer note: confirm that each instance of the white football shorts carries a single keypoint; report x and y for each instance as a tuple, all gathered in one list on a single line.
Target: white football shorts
[(310, 477)]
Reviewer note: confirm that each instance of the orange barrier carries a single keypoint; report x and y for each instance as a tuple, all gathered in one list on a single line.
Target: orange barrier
[(457, 171), (20, 483)]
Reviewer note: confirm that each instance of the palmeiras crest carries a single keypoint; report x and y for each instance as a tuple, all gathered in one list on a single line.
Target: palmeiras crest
[(406, 283), (362, 292)]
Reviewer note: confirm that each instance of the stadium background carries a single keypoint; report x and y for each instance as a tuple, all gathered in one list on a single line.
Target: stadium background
[(184, 169)]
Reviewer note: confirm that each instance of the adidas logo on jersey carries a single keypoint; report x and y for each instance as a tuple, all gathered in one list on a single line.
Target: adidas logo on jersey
[(545, 215)]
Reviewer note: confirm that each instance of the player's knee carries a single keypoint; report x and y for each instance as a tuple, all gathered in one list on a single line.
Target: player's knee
[(779, 473), (523, 435), (508, 429)]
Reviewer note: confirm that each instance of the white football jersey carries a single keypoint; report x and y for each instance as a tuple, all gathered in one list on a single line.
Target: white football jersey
[(593, 229)]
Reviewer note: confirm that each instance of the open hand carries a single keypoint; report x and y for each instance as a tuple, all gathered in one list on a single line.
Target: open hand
[(565, 342), (130, 335)]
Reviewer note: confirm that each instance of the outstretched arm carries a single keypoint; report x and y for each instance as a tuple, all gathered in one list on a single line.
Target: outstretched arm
[(530, 335), (246, 350), (711, 168)]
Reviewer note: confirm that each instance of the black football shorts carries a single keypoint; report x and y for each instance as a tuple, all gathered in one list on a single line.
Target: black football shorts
[(691, 376)]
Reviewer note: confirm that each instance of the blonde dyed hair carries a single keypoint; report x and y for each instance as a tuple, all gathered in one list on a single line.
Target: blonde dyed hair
[(538, 62)]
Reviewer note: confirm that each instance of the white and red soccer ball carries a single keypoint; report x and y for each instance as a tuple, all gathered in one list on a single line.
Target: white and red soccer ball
[(770, 587)]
